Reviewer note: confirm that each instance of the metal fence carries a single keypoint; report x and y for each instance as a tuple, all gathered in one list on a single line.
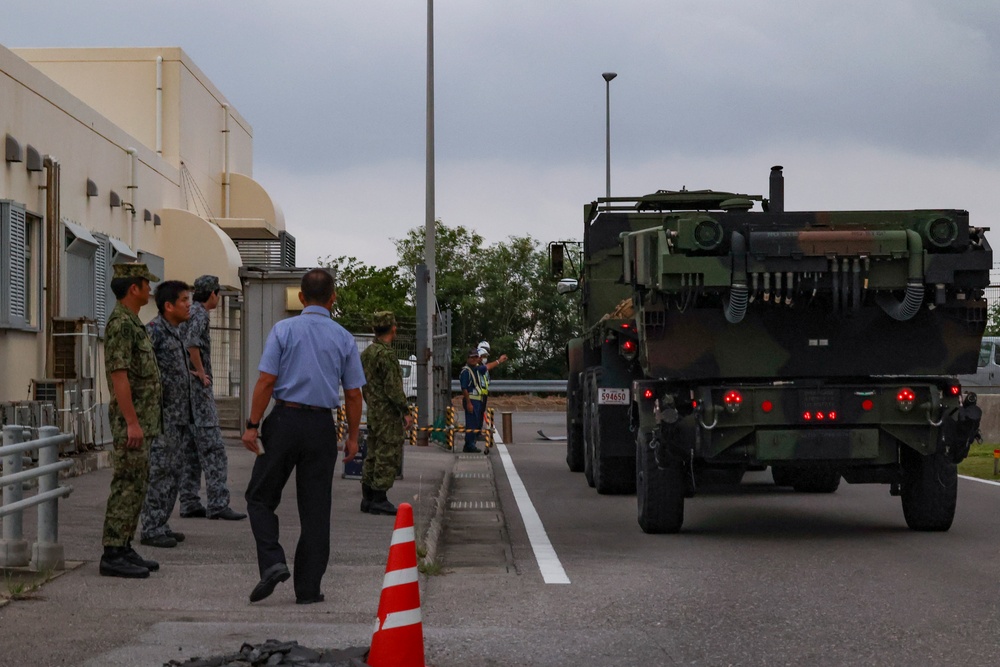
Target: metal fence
[(46, 552), (224, 329)]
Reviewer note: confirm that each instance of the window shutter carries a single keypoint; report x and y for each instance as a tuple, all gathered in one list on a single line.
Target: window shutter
[(101, 284), (18, 249), (13, 266)]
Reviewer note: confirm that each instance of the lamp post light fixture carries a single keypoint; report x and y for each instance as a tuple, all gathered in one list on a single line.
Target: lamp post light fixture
[(608, 76)]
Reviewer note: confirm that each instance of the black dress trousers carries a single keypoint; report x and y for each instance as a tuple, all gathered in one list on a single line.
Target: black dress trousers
[(306, 441)]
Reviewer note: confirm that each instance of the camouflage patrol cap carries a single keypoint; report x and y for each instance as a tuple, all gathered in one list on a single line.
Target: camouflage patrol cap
[(134, 270), (383, 319), (206, 283)]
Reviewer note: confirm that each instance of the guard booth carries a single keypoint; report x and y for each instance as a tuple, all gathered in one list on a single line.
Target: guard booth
[(271, 294)]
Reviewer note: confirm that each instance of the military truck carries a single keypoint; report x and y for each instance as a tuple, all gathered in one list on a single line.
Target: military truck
[(824, 345)]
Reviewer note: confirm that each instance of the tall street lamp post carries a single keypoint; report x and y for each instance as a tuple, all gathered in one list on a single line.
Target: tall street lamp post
[(607, 78)]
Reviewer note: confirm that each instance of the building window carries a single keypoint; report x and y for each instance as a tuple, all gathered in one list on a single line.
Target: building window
[(18, 267)]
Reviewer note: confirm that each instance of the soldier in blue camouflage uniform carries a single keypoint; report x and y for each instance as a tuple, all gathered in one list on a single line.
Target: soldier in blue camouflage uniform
[(209, 452), (166, 463), (388, 416), (134, 413)]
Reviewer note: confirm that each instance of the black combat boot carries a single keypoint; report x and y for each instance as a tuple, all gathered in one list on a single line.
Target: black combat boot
[(366, 498), (115, 563), (133, 557), (380, 504)]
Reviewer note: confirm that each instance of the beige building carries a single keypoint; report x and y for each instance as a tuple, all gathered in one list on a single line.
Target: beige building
[(114, 155)]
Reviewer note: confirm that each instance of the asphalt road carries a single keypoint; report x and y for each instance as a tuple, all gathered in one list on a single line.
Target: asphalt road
[(759, 576)]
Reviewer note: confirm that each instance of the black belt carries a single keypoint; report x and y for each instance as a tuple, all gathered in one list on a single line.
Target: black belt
[(299, 406)]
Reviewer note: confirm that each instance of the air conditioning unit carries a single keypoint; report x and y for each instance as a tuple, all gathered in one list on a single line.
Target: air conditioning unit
[(75, 347), (59, 404)]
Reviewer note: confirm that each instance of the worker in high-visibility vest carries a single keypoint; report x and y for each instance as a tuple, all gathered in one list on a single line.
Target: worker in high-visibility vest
[(484, 355), (471, 379)]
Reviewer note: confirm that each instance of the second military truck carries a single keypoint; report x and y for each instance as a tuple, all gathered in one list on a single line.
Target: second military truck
[(822, 344)]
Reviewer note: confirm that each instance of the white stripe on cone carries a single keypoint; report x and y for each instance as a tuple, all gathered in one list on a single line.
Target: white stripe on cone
[(402, 536), (398, 577), (400, 619)]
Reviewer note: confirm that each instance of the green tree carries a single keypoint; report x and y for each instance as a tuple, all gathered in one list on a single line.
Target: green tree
[(363, 290), (501, 293)]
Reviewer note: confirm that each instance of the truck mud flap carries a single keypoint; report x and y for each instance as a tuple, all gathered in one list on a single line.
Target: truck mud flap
[(960, 430)]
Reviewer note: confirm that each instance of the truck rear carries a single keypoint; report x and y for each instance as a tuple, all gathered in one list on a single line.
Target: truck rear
[(824, 345)]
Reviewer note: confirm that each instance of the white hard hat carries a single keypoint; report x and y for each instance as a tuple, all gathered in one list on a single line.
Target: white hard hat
[(483, 345), (483, 352)]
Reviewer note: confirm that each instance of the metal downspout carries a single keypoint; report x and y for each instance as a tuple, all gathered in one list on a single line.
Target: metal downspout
[(225, 152), (52, 250), (159, 105)]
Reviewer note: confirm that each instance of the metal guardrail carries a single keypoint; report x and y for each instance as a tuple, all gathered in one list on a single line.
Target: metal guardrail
[(520, 386), (46, 552)]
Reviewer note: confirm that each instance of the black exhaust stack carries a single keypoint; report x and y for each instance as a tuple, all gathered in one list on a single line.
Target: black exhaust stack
[(776, 199)]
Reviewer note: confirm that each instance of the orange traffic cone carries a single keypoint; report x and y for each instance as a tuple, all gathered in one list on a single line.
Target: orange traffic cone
[(398, 640)]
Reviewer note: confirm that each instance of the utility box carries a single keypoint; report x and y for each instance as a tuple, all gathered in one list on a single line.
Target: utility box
[(265, 301)]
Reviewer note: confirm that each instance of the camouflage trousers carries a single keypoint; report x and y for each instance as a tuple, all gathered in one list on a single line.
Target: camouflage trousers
[(166, 464), (382, 462), (128, 489), (205, 453)]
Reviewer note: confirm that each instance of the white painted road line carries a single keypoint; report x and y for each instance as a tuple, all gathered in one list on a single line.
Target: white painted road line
[(545, 555), (976, 479)]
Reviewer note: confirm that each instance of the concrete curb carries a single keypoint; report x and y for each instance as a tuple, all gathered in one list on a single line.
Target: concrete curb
[(434, 527)]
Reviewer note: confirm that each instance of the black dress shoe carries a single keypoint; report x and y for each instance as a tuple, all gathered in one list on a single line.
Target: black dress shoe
[(318, 598), (134, 558), (161, 541), (228, 514), (114, 563), (177, 536), (198, 513), (273, 576)]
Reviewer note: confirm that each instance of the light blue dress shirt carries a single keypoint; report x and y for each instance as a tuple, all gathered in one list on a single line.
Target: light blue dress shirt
[(312, 356)]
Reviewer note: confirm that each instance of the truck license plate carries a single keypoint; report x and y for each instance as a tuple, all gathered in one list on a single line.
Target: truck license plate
[(609, 396)]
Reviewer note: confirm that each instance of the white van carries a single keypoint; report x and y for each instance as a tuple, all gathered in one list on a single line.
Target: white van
[(986, 379), (409, 369)]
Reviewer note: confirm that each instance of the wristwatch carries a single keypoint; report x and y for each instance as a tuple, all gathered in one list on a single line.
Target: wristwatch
[(251, 424)]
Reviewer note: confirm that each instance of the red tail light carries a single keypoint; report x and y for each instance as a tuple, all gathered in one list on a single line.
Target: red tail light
[(733, 400), (955, 390), (905, 398), (867, 405), (767, 406), (647, 394)]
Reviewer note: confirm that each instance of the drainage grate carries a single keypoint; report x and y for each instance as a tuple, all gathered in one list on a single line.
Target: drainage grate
[(473, 505), (472, 475)]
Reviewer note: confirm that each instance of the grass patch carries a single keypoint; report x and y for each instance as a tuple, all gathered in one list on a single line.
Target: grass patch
[(979, 463), (430, 569), (21, 584)]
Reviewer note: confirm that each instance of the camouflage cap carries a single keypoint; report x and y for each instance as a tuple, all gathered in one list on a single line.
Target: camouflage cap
[(474, 352), (134, 270), (206, 283), (383, 318)]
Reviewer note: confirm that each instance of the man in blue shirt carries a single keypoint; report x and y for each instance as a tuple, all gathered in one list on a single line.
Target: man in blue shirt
[(306, 360)]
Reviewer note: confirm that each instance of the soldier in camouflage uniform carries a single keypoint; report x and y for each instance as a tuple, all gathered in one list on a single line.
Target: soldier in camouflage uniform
[(166, 463), (209, 452), (134, 413), (388, 416)]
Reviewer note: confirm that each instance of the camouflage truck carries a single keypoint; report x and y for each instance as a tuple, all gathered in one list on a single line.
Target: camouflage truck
[(824, 345)]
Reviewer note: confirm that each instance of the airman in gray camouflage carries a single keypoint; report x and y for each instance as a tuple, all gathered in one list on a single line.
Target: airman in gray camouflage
[(166, 463), (209, 452), (135, 417), (388, 416)]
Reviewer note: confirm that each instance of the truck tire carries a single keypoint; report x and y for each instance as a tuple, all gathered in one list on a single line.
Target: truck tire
[(807, 480), (613, 475), (929, 491), (659, 491), (574, 428)]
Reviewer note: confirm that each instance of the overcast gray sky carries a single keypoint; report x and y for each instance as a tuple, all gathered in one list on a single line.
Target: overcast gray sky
[(888, 104)]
